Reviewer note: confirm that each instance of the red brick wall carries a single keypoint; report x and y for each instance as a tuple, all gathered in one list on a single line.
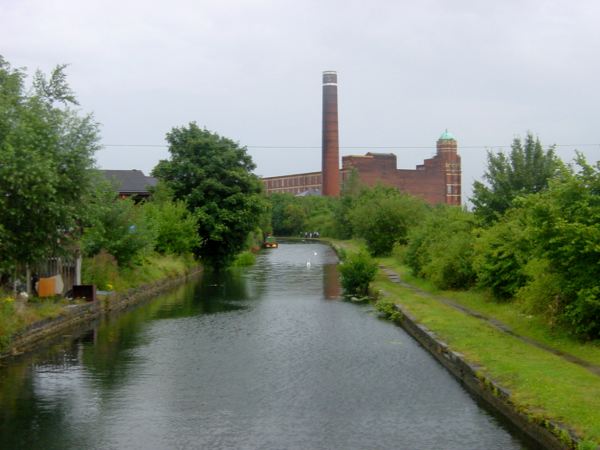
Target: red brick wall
[(293, 184), (437, 180)]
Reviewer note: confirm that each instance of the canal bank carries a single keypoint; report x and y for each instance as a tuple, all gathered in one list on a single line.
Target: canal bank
[(43, 332), (551, 397), (265, 357)]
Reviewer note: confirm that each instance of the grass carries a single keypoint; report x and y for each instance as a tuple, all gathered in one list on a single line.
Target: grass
[(103, 271), (15, 316), (510, 313), (244, 259)]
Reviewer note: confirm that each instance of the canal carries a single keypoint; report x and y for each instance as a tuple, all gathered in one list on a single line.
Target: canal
[(261, 358)]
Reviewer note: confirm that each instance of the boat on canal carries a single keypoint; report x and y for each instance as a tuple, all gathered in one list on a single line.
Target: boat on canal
[(270, 242)]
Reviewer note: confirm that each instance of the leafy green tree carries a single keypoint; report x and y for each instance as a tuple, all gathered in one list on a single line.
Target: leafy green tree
[(174, 226), (287, 214), (116, 226), (351, 189), (383, 216), (525, 170), (213, 175), (441, 247), (502, 252), (563, 223), (46, 156)]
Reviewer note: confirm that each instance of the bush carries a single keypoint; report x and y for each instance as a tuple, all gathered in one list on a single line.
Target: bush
[(501, 253), (441, 248), (119, 227), (101, 270), (173, 226), (358, 271), (383, 216), (244, 259)]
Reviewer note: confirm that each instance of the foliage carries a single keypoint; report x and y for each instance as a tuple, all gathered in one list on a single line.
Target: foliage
[(117, 226), (291, 215), (383, 216), (358, 271), (103, 271), (319, 214), (501, 253), (212, 174), (441, 248), (351, 189), (288, 214), (46, 152), (563, 223), (525, 170), (244, 259), (173, 225)]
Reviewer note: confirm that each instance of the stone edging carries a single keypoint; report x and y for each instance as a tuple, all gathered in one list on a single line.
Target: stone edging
[(38, 333)]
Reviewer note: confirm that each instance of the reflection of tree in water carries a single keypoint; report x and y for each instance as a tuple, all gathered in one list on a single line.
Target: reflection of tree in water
[(29, 419)]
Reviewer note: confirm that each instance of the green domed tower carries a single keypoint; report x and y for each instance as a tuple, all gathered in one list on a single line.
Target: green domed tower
[(447, 150)]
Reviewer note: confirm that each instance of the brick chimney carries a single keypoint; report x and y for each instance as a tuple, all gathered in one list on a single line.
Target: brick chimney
[(330, 143)]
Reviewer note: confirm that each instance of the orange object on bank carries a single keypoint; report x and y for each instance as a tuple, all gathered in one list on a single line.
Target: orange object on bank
[(47, 287)]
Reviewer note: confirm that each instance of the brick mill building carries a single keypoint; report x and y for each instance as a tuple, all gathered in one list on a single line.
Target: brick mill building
[(437, 180)]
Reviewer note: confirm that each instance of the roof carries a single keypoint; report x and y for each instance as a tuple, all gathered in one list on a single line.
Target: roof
[(447, 136), (130, 181), (381, 155), (309, 192)]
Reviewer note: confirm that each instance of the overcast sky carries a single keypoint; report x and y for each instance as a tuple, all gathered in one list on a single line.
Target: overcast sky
[(251, 70)]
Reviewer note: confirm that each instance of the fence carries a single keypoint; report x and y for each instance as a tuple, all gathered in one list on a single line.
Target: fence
[(63, 268)]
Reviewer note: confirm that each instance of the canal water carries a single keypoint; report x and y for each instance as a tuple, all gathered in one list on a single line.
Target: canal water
[(261, 358)]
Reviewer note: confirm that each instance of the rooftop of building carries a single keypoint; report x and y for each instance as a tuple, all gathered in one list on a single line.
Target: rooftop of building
[(447, 136), (130, 181)]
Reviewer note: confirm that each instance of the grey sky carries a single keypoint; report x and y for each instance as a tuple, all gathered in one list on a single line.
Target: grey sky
[(251, 71)]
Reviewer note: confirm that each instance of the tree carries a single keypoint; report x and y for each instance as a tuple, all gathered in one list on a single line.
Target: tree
[(525, 170), (441, 247), (288, 215), (383, 216), (213, 175), (46, 157), (174, 226), (563, 224), (117, 226)]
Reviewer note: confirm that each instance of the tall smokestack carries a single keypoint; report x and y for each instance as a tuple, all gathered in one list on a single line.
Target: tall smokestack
[(331, 148)]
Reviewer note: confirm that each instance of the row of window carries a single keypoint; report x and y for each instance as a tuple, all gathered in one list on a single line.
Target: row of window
[(296, 181)]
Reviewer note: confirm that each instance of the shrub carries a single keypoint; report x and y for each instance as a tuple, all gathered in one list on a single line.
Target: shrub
[(441, 248), (542, 293), (383, 217), (244, 259), (173, 226), (118, 227), (101, 270), (501, 253), (358, 271)]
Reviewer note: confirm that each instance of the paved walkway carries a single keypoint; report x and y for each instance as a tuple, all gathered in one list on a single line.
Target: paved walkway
[(395, 278)]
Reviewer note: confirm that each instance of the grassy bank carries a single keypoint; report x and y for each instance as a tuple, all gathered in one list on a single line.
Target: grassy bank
[(17, 315), (542, 384), (103, 271)]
